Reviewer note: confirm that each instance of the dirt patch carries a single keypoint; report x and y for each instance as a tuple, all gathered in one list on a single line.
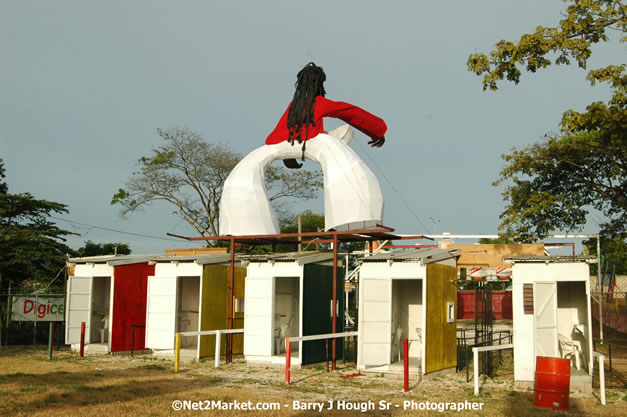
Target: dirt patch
[(32, 385)]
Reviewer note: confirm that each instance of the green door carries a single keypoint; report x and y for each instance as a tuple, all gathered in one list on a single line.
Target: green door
[(317, 298)]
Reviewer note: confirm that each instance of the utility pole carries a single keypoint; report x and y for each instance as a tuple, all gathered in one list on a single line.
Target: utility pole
[(435, 225)]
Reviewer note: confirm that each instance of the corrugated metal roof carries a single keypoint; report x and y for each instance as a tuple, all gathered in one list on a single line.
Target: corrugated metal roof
[(302, 258), (201, 259), (130, 260), (111, 259), (553, 259), (426, 255)]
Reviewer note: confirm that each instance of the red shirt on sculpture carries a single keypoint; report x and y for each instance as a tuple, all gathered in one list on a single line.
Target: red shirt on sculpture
[(357, 117)]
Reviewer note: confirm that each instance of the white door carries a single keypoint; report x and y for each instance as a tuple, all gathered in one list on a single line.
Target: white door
[(375, 328), (258, 316), (545, 319), (161, 312), (78, 309)]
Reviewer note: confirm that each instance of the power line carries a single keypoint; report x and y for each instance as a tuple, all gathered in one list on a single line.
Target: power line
[(113, 230), (393, 187)]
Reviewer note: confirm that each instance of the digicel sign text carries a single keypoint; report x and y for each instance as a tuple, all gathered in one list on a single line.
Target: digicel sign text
[(38, 308), (42, 309)]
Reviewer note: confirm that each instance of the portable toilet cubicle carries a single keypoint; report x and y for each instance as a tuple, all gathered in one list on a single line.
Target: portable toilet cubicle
[(291, 295), (551, 303), (412, 295), (108, 294), (190, 293)]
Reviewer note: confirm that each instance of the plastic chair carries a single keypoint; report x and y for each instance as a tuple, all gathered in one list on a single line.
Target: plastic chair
[(397, 336), (283, 333), (105, 328), (569, 348)]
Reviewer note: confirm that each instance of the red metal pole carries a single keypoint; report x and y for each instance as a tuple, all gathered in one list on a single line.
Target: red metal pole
[(231, 284), (334, 306), (288, 359), (82, 347), (406, 363)]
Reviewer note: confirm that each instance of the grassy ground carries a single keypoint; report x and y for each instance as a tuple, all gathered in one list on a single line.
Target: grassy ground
[(32, 385)]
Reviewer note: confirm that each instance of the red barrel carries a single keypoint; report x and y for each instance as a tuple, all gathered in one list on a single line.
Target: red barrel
[(552, 385)]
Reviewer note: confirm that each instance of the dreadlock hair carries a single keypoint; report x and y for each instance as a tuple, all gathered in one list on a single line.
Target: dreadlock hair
[(309, 85)]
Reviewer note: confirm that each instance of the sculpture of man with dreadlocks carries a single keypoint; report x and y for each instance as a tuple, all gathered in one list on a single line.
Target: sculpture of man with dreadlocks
[(352, 195)]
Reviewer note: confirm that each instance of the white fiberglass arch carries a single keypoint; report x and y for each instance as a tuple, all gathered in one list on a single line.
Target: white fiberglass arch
[(351, 190)]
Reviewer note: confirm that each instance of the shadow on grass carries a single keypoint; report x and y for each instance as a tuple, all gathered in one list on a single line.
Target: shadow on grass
[(320, 370), (59, 390), (13, 351), (521, 403)]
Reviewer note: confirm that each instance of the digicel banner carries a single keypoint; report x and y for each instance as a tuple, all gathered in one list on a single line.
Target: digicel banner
[(38, 308)]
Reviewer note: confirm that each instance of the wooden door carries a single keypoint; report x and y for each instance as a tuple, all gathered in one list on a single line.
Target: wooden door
[(545, 319)]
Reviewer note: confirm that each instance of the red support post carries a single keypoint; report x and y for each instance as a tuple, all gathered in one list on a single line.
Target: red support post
[(82, 347), (229, 337), (288, 359), (406, 363)]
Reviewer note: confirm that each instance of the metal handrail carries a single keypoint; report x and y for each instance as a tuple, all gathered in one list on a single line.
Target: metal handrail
[(217, 333), (601, 374), (475, 358), (288, 346)]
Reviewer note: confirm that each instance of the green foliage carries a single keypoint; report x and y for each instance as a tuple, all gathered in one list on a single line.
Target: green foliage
[(552, 185), (310, 222), (498, 240), (614, 251), (585, 23), (94, 249), (32, 249)]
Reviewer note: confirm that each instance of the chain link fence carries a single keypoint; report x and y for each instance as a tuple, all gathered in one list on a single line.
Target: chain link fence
[(27, 332)]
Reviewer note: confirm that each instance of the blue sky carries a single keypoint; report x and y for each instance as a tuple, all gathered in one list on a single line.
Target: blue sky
[(84, 85)]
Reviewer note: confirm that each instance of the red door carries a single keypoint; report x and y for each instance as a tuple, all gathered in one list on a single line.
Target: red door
[(130, 284)]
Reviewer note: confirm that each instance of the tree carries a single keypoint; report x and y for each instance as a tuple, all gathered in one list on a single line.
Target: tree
[(94, 249), (498, 240), (32, 249), (585, 23), (285, 186), (189, 174), (312, 222), (309, 222), (553, 184), (613, 249)]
